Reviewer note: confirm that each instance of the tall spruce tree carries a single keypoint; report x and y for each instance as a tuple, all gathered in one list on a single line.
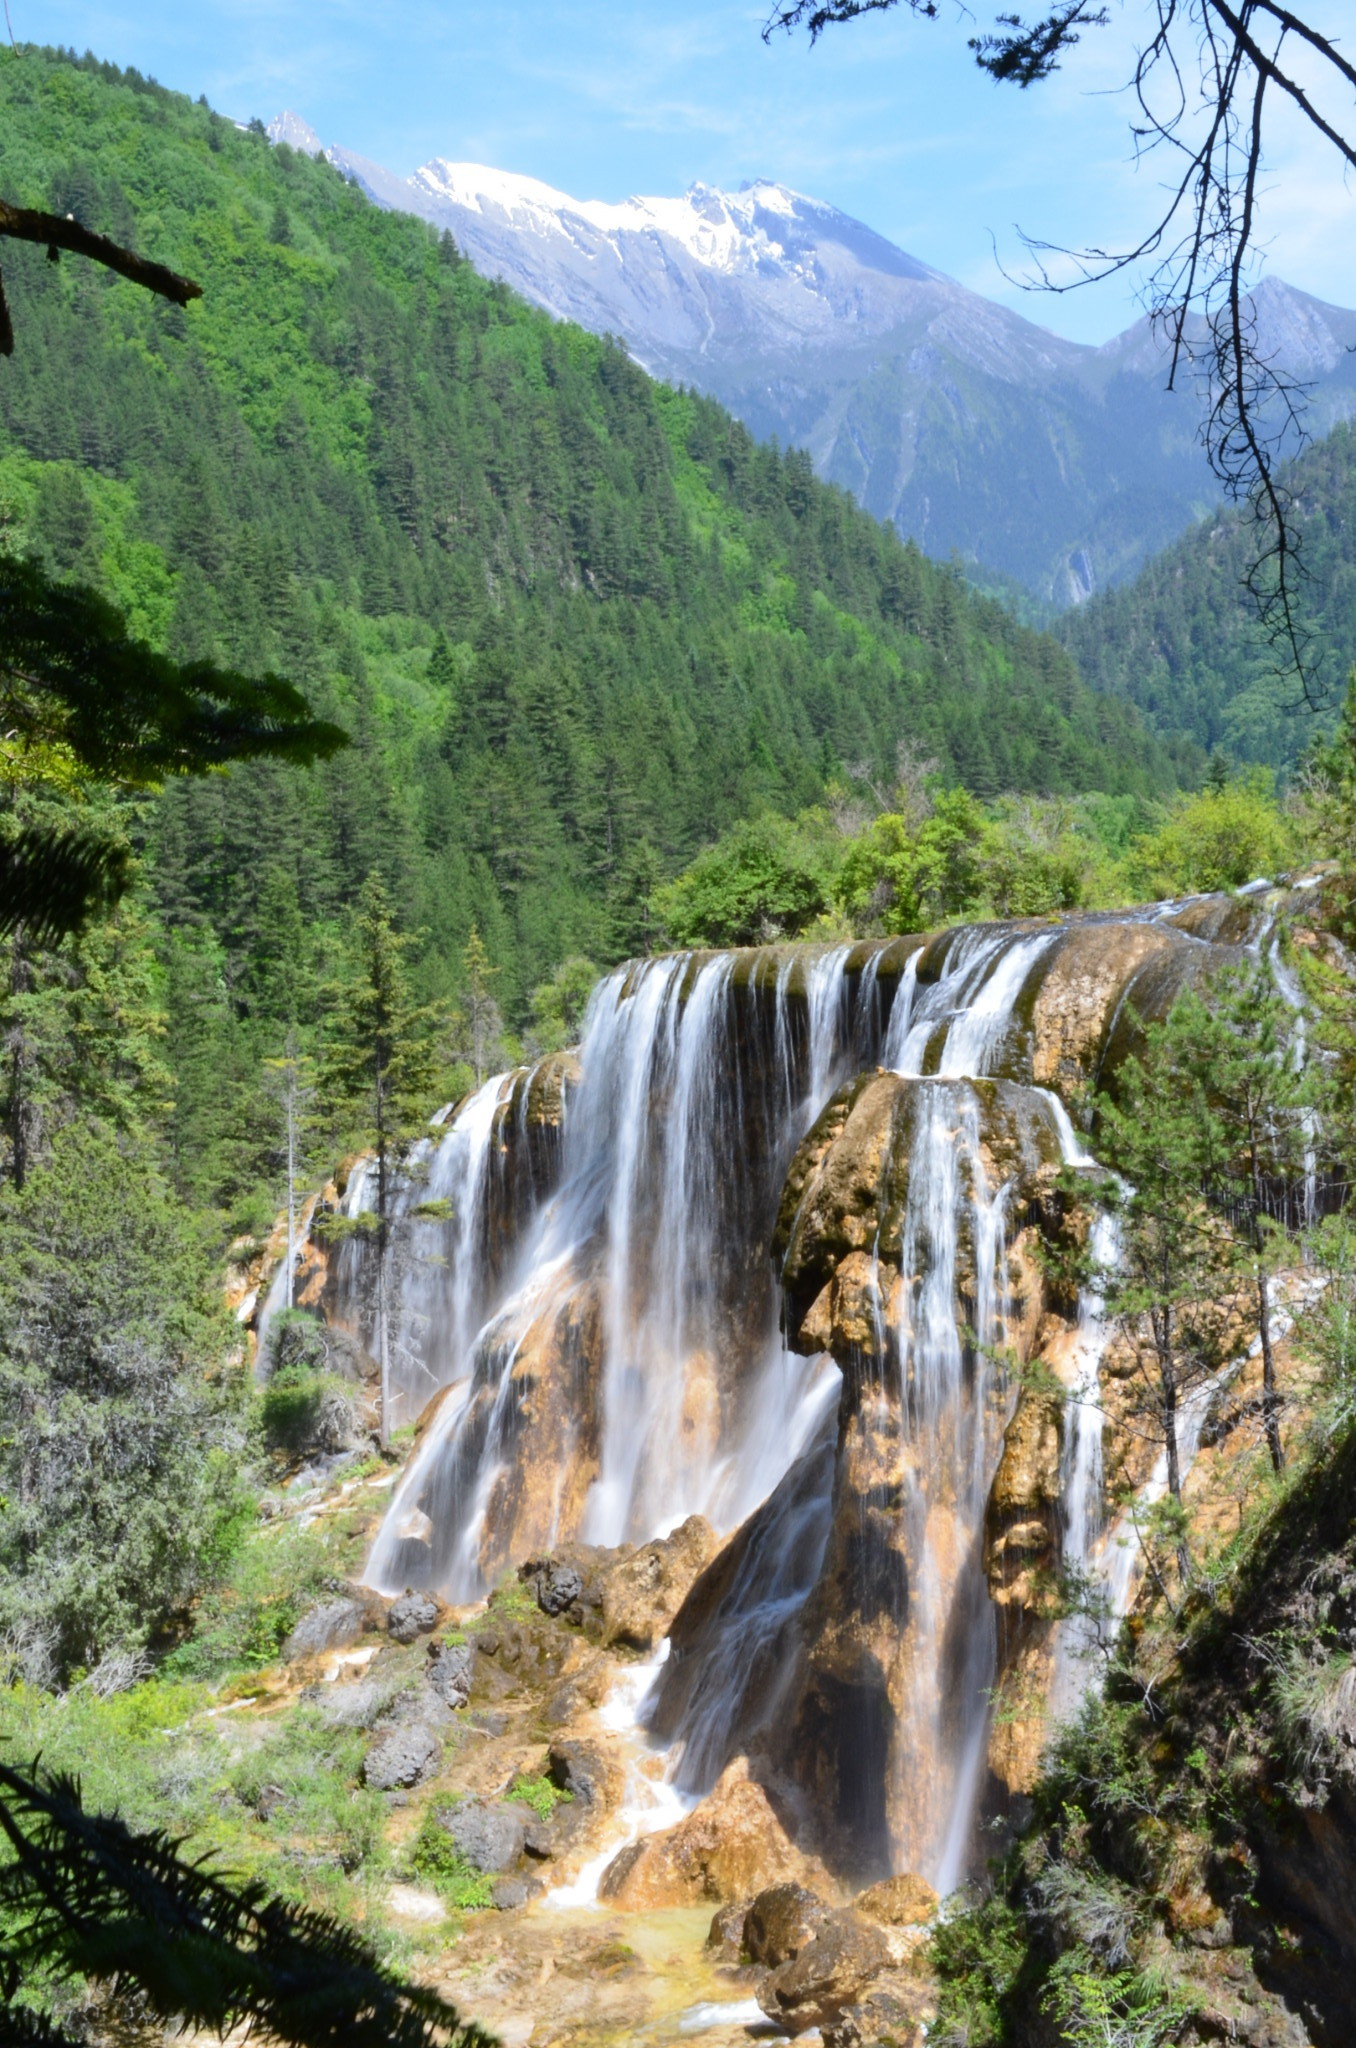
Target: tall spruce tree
[(381, 1064), (1243, 1047), (1170, 1291)]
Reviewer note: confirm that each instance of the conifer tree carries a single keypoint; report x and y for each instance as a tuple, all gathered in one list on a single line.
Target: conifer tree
[(1243, 1047), (1170, 1291), (381, 1064)]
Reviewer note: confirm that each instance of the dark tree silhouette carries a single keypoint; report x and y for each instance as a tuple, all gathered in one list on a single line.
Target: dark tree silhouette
[(83, 1895), (1206, 79)]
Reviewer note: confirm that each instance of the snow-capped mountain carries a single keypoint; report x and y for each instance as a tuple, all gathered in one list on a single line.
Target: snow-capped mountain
[(973, 429)]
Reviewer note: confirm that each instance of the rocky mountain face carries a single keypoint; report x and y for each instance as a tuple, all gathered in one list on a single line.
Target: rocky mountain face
[(972, 429)]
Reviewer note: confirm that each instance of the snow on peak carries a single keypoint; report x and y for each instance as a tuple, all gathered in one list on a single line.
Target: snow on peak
[(298, 134), (718, 229)]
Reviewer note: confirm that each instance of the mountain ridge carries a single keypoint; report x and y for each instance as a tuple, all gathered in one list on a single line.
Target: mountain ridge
[(971, 429)]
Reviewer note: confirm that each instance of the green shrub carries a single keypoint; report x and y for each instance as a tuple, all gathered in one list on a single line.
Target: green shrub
[(266, 1585), (440, 1863), (766, 879), (540, 1794)]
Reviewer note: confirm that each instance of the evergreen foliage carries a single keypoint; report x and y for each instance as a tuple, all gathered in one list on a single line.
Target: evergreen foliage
[(575, 623), (1182, 641)]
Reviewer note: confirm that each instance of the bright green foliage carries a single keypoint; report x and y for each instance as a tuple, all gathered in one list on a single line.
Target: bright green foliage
[(437, 1859), (87, 1897), (918, 878), (119, 1437), (540, 1794), (381, 1061), (1122, 2010), (765, 879), (558, 1005), (1244, 1048), (1218, 839), (306, 1407), (257, 1592), (575, 624), (980, 1952), (1170, 1289)]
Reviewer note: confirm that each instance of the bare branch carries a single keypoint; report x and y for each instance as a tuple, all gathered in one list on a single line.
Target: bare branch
[(61, 231), (1200, 85)]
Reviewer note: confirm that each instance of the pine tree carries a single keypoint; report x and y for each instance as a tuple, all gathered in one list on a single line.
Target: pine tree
[(381, 1063), (1171, 1289), (1243, 1047)]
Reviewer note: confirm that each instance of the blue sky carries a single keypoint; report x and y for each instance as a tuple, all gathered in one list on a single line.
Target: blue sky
[(888, 119)]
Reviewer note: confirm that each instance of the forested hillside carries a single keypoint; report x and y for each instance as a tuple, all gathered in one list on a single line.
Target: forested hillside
[(1182, 642), (575, 623)]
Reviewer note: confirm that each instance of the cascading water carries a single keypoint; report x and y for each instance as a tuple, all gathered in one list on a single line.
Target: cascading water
[(640, 1297), (616, 1350)]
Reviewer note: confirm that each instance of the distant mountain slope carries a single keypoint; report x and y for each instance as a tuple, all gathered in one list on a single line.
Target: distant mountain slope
[(577, 623), (1182, 642), (968, 427)]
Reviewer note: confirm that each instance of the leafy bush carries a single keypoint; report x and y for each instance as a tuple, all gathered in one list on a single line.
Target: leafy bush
[(979, 1952), (265, 1585), (306, 1409), (120, 1427), (765, 879), (1218, 839), (540, 1794)]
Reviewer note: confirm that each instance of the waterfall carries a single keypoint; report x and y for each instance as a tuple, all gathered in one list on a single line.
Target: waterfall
[(612, 1348), (640, 1292), (954, 1419)]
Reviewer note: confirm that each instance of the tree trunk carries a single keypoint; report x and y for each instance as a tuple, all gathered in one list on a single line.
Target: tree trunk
[(291, 1185), (383, 1343), (1271, 1400)]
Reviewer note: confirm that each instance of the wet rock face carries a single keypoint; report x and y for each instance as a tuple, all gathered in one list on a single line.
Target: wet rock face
[(841, 1225), (732, 1846), (1080, 990), (552, 1421), (642, 1594), (1021, 1524)]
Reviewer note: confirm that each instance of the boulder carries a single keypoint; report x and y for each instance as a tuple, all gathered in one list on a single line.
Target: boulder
[(329, 1625), (488, 1833), (355, 1705), (641, 1594), (732, 1846), (558, 1587), (829, 1974), (904, 1901), (781, 1922), (411, 1616), (405, 1757), (508, 1893), (891, 2016), (449, 1672), (590, 1772), (725, 1938)]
